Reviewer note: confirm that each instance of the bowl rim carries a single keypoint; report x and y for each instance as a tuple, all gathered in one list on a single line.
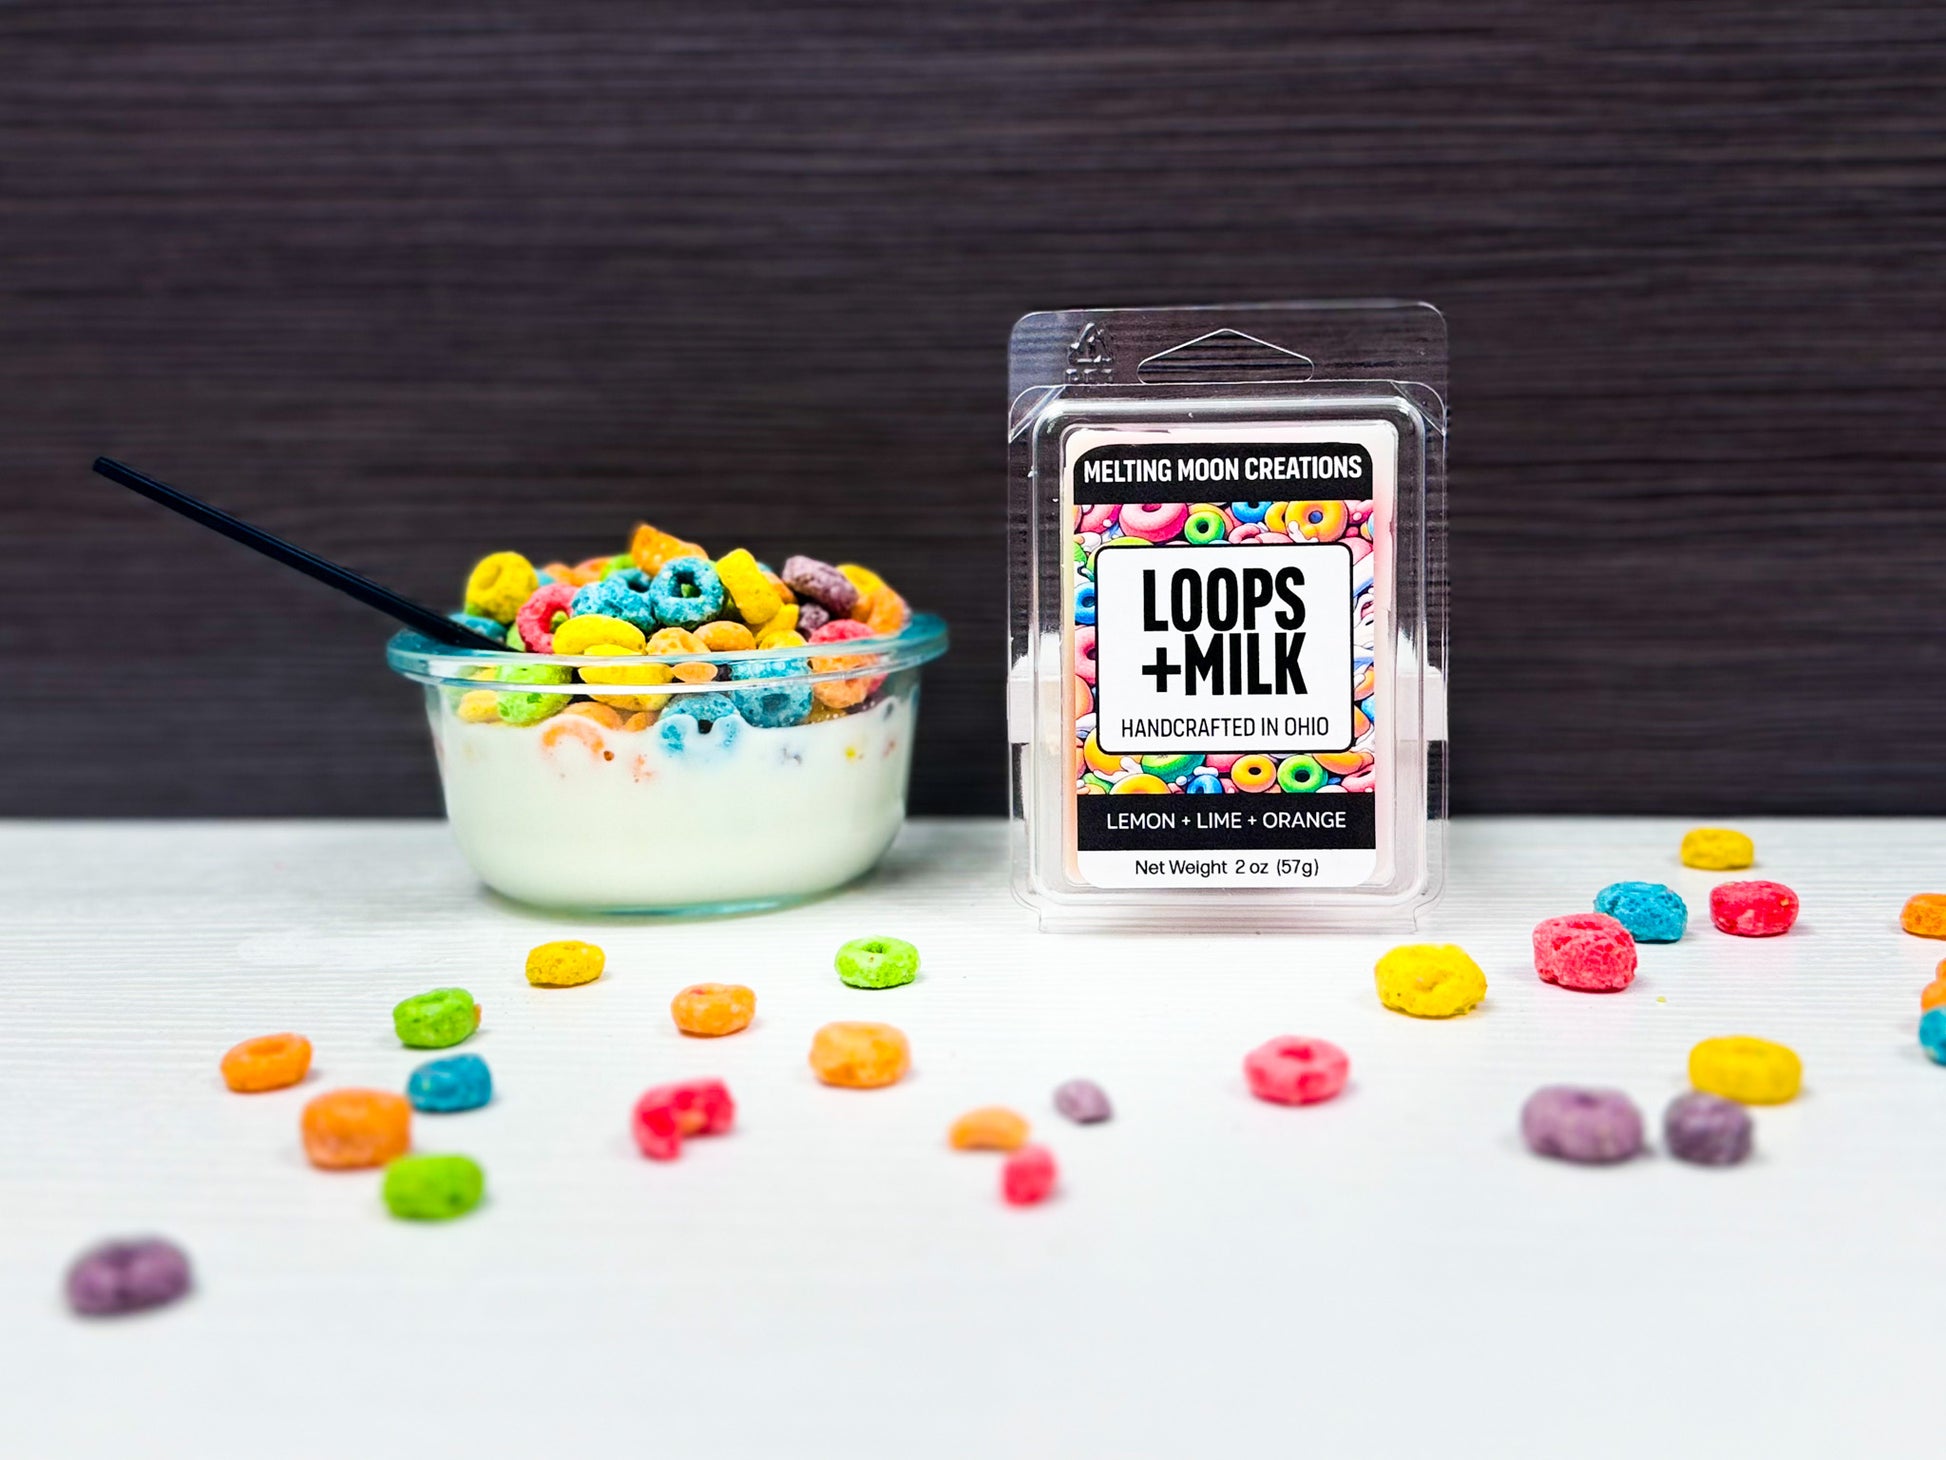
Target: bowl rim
[(921, 641)]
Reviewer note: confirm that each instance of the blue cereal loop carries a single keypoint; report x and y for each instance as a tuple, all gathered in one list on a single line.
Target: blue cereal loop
[(699, 721), (686, 593), (1205, 783), (462, 1082), (772, 706), (480, 624), (1651, 912), (1251, 511), (618, 596), (1932, 1035), (1084, 604)]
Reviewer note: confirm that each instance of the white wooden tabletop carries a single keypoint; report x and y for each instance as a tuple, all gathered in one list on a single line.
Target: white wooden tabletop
[(1389, 1274)]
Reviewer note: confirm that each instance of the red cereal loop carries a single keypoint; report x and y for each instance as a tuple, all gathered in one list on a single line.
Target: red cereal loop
[(668, 1113), (1591, 952), (1753, 909), (1293, 1071), (1028, 1176)]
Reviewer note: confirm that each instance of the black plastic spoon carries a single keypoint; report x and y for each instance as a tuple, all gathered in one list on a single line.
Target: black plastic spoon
[(432, 624)]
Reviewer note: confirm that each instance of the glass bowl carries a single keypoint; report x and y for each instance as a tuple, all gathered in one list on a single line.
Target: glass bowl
[(678, 783)]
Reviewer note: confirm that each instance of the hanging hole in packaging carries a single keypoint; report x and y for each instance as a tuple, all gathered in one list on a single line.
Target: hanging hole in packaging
[(1227, 615)]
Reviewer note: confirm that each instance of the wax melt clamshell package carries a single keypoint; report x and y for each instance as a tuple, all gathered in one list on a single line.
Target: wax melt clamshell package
[(682, 782), (1227, 619)]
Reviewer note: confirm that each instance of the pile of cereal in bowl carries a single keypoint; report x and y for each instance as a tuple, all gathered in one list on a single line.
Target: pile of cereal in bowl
[(658, 711)]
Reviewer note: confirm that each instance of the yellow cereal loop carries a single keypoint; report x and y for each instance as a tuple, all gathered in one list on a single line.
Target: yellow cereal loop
[(1430, 980), (1717, 849), (781, 639), (725, 636), (863, 579), (1743, 1068), (478, 707), (625, 674), (499, 584), (564, 964), (744, 581), (591, 633), (783, 621)]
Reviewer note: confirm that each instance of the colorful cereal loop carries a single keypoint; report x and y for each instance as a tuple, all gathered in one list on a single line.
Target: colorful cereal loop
[(1251, 511), (1141, 784), (1318, 521), (1154, 521), (1204, 525), (1300, 774), (1254, 773)]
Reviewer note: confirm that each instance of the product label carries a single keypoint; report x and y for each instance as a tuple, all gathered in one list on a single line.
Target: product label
[(1226, 691)]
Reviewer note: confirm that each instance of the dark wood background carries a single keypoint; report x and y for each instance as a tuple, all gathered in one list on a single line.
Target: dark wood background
[(413, 282)]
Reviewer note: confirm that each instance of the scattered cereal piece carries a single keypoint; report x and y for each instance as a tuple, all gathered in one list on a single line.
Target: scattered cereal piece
[(498, 585), (1924, 915), (1430, 980), (1748, 1070), (1651, 912), (878, 963), (1082, 1101), (1293, 1071), (1753, 909), (1706, 1130), (713, 1009), (1933, 995), (433, 1188), (1028, 1176), (564, 964), (1574, 1124), (860, 1056), (350, 1128), (1932, 1034), (129, 1275), (436, 1019), (458, 1082), (990, 1128), (669, 1113), (270, 1062), (544, 609), (1717, 849), (650, 548), (1591, 952)]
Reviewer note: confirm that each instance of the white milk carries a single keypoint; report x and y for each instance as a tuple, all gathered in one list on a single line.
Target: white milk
[(573, 815)]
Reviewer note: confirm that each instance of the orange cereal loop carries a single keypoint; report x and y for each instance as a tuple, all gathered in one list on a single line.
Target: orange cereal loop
[(270, 1062), (710, 1010), (990, 1128), (1934, 994), (650, 548), (577, 728), (675, 641), (886, 614), (346, 1129), (601, 714), (840, 694), (1925, 915), (639, 721), (724, 636), (860, 1056)]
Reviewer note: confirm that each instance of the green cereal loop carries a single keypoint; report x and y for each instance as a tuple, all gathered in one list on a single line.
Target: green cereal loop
[(1205, 527), (878, 963), (435, 1020), (1300, 773), (531, 708), (433, 1188), (1169, 767)]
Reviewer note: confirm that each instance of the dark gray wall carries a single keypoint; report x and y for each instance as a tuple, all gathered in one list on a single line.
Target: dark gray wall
[(412, 282)]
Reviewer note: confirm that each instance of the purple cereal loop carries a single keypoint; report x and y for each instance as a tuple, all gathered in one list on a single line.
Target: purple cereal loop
[(1574, 1124), (808, 578), (1082, 1101), (1706, 1130), (811, 616), (127, 1277)]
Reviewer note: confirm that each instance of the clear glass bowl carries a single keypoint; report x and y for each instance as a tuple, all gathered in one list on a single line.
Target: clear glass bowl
[(646, 787)]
